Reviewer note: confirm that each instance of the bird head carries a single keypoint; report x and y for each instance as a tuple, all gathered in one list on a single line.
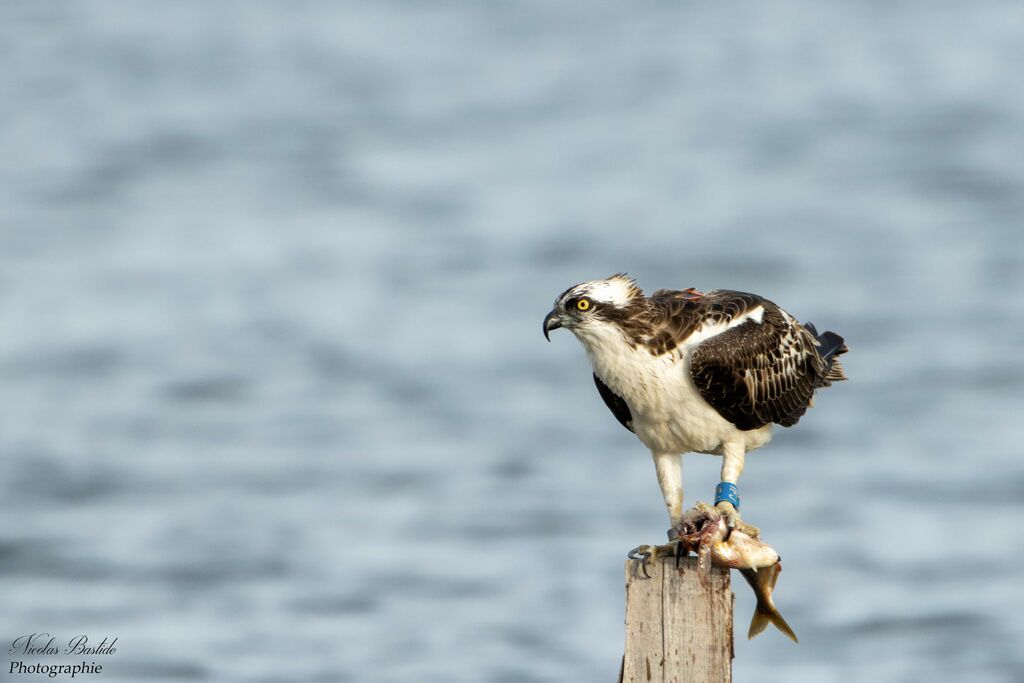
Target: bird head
[(593, 304)]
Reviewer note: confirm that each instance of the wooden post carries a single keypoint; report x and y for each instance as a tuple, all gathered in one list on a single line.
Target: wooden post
[(678, 630)]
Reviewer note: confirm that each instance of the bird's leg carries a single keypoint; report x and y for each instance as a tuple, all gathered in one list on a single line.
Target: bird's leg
[(732, 467), (670, 478), (669, 467)]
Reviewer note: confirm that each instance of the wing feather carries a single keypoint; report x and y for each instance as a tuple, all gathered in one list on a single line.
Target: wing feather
[(615, 403), (758, 373)]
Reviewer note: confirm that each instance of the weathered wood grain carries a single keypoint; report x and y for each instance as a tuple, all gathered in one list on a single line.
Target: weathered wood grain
[(678, 625)]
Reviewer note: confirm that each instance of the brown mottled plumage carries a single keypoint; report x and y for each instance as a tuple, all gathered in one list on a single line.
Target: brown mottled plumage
[(753, 374), (757, 373), (692, 372)]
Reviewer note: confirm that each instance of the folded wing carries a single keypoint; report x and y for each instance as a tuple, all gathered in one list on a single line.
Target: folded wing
[(758, 373)]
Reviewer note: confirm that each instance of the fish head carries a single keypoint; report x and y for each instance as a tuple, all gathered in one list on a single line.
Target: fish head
[(701, 526)]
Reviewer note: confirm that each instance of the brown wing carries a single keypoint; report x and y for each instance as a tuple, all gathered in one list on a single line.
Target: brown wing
[(675, 315), (758, 373)]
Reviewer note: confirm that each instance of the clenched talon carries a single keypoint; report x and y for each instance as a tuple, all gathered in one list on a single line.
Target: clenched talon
[(731, 514), (641, 552), (679, 550), (641, 556), (734, 521)]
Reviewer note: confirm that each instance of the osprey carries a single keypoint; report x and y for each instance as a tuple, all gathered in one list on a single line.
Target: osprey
[(692, 372)]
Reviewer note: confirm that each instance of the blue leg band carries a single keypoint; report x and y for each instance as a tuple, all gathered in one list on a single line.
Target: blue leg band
[(727, 491)]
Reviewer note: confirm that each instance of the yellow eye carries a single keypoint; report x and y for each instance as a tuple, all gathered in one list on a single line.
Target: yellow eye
[(583, 304)]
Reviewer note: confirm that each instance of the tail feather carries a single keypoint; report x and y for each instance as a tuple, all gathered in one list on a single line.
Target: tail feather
[(835, 370), (765, 615), (830, 346)]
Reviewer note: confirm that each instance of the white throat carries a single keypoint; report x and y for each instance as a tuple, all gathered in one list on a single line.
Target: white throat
[(627, 371)]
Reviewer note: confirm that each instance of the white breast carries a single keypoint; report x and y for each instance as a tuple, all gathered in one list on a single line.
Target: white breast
[(669, 414)]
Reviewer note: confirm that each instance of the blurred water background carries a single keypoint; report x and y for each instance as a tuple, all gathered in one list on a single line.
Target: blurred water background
[(276, 402)]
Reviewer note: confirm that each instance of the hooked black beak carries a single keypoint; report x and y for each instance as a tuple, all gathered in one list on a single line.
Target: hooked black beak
[(552, 322)]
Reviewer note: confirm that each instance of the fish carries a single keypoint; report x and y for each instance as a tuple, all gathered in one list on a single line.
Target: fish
[(763, 584), (703, 530)]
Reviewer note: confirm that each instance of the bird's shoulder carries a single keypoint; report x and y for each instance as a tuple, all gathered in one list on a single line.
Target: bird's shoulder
[(676, 316)]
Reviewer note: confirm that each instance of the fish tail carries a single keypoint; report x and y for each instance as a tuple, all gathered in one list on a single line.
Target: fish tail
[(765, 614)]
